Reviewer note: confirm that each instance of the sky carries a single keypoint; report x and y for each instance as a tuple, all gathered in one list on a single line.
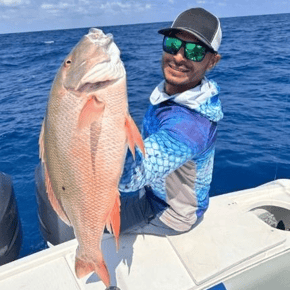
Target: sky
[(37, 15)]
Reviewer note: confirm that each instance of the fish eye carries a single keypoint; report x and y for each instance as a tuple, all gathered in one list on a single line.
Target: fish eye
[(67, 63)]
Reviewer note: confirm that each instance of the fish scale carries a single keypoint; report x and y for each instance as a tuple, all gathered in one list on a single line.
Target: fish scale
[(83, 142)]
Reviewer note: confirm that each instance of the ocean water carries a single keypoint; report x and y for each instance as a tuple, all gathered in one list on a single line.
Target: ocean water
[(253, 138)]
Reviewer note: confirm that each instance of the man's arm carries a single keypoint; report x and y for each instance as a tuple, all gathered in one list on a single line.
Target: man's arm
[(164, 154)]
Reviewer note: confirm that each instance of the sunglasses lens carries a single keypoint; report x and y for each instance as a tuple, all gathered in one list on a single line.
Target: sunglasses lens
[(195, 52), (171, 45)]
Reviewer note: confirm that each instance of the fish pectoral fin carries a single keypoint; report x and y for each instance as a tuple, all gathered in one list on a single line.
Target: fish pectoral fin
[(83, 268), (91, 112), (133, 136), (113, 221), (53, 200)]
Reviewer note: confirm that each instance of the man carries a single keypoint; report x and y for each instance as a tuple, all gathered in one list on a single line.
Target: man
[(179, 130)]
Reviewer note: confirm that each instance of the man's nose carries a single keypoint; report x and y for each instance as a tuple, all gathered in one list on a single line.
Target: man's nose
[(179, 56)]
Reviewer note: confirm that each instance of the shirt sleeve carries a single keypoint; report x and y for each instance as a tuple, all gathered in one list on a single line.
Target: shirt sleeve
[(164, 154)]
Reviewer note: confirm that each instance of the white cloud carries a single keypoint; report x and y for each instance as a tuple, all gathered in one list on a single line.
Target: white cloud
[(125, 6), (114, 5), (4, 17), (200, 1), (171, 1), (47, 6), (14, 2), (81, 10), (84, 2), (58, 8), (60, 5), (87, 7)]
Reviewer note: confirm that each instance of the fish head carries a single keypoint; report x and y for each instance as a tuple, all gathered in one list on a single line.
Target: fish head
[(92, 64)]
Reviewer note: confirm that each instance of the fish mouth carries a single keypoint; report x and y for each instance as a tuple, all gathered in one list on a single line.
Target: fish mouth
[(106, 72), (107, 69), (97, 36), (101, 76)]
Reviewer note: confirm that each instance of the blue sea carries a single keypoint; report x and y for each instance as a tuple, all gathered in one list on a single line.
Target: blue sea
[(253, 74)]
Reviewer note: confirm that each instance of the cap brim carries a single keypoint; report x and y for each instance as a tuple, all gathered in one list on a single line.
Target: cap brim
[(168, 31)]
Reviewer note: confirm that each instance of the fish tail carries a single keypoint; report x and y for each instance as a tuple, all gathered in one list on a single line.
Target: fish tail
[(133, 136), (83, 268), (113, 222)]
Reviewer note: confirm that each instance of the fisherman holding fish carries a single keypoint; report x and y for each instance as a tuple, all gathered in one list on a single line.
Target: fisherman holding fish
[(162, 185), (179, 131)]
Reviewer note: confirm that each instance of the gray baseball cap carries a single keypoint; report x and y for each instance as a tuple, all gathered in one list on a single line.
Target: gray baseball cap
[(199, 22)]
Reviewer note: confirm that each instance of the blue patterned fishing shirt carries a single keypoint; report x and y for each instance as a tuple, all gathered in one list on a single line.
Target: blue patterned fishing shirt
[(179, 137)]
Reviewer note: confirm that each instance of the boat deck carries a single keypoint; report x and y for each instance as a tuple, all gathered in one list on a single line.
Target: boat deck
[(229, 241)]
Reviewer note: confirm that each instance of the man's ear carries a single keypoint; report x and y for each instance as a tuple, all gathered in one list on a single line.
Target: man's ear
[(213, 61)]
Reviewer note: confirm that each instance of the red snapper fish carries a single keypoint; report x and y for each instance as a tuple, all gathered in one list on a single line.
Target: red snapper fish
[(83, 143)]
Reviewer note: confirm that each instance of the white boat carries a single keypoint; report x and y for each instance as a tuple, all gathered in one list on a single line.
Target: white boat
[(237, 245)]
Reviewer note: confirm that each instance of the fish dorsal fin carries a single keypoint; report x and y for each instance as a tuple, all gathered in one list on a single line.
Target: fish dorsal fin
[(133, 136), (91, 112)]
